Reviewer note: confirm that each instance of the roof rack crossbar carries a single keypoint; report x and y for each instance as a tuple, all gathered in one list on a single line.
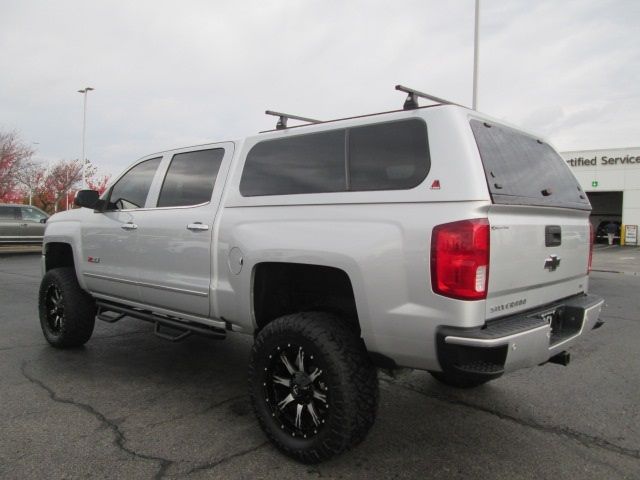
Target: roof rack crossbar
[(283, 117), (412, 98)]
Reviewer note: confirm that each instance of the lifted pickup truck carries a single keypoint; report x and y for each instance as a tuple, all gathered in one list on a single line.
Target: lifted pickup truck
[(433, 238)]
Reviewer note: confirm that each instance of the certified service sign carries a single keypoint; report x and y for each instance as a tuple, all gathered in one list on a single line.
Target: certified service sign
[(630, 234)]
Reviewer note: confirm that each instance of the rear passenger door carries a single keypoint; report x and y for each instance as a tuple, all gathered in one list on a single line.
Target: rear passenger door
[(175, 236), (9, 223)]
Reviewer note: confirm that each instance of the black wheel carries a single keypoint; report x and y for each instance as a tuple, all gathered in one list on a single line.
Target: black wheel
[(312, 386), (459, 380), (67, 313)]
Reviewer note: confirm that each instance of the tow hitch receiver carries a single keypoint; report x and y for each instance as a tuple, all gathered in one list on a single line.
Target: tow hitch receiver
[(562, 358)]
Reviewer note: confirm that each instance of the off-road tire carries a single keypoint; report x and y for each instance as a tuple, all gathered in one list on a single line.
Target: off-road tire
[(68, 322), (459, 380), (351, 381)]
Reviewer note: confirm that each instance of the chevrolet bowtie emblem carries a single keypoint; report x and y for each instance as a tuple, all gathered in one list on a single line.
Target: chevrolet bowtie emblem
[(552, 262)]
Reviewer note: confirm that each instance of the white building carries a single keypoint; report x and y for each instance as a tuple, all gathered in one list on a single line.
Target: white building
[(611, 179)]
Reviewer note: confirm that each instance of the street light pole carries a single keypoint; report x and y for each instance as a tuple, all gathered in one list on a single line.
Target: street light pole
[(84, 92), (476, 57)]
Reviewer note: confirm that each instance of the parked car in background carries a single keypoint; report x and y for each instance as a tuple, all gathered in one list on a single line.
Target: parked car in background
[(21, 224)]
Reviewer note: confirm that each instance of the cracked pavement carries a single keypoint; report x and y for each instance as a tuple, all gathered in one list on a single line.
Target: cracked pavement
[(130, 405)]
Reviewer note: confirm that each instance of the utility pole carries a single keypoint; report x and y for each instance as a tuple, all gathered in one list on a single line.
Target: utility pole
[(84, 92), (476, 57)]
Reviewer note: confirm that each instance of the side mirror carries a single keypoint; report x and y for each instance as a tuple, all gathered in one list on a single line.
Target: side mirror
[(86, 198), (44, 220)]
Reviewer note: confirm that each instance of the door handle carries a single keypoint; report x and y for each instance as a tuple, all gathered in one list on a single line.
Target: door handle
[(129, 226), (196, 227), (24, 224)]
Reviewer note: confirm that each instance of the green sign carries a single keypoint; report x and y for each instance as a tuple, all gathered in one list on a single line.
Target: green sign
[(594, 183)]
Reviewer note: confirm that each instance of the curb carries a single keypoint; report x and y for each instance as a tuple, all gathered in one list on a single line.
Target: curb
[(635, 274)]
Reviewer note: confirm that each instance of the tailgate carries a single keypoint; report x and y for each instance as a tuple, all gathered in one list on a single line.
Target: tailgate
[(538, 255), (539, 221)]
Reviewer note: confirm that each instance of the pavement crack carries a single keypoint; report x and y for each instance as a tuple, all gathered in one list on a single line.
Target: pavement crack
[(119, 438), (212, 465), (199, 412), (581, 437)]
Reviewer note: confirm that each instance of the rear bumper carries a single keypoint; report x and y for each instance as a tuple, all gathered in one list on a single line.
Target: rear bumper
[(518, 341)]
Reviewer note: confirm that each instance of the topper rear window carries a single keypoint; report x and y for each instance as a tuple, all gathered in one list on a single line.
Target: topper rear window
[(523, 170)]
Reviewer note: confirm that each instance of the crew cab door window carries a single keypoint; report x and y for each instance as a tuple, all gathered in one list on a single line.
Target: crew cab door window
[(190, 178), (130, 192)]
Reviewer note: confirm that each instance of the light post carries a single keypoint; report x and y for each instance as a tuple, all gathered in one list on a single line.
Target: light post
[(84, 92), (31, 179), (476, 57)]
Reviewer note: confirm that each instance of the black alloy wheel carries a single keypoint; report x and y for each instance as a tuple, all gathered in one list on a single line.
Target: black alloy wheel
[(296, 391), (54, 309), (312, 385), (67, 313)]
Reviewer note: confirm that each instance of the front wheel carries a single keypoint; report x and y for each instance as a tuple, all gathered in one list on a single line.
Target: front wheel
[(312, 386), (67, 313)]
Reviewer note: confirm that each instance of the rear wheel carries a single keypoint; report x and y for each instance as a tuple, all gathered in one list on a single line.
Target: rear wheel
[(459, 380), (312, 386), (67, 313)]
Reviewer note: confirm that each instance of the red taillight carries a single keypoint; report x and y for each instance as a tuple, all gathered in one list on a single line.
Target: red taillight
[(590, 247), (460, 259)]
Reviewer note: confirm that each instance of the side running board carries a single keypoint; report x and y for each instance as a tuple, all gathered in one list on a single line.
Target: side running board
[(113, 312)]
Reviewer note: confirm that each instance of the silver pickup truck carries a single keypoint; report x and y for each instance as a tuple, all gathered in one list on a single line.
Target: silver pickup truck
[(433, 238)]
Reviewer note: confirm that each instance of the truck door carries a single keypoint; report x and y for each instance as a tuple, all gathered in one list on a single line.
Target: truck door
[(32, 221), (175, 237), (110, 238)]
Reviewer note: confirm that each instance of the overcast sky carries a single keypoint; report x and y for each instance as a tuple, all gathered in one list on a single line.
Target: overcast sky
[(171, 74)]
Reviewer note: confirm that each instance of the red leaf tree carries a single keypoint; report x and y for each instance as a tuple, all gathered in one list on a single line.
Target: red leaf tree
[(60, 179), (14, 156)]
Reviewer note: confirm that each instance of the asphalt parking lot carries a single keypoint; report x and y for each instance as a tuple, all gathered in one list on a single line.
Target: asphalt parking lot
[(130, 405)]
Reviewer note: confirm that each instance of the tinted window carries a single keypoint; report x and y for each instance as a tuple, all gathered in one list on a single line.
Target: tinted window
[(8, 213), (303, 164), (190, 178), (523, 170), (388, 156), (132, 189), (33, 214)]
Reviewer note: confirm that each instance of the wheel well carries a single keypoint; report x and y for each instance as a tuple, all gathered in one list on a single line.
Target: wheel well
[(58, 255), (283, 288)]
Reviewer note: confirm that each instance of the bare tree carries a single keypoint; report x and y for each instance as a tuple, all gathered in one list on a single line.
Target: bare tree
[(14, 155), (30, 178)]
